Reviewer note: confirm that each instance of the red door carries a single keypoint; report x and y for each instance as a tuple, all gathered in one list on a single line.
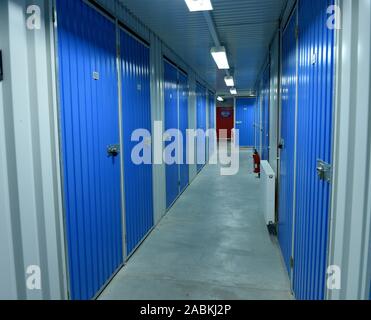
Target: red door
[(225, 120)]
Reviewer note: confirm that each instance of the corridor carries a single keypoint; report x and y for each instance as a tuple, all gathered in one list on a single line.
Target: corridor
[(213, 244), (109, 110)]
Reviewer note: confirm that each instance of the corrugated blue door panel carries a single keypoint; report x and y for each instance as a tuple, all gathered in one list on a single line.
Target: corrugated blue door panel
[(171, 122), (265, 115), (201, 121), (136, 114), (315, 105), (89, 123), (286, 182), (183, 126), (245, 120)]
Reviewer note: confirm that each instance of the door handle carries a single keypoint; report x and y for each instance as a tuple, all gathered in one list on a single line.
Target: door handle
[(113, 150), (324, 171)]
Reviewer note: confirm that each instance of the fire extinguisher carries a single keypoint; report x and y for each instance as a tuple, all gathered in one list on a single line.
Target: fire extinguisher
[(256, 158)]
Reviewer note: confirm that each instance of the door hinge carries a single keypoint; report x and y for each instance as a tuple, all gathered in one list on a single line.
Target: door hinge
[(292, 263)]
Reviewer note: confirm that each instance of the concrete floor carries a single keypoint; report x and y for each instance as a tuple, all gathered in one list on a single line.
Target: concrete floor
[(212, 245)]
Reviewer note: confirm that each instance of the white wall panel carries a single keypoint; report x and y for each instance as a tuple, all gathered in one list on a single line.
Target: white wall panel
[(30, 194), (157, 101), (351, 208)]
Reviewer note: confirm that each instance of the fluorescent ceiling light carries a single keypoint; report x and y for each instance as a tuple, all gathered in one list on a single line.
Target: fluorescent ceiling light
[(229, 81), (233, 91), (199, 5), (220, 99), (220, 56)]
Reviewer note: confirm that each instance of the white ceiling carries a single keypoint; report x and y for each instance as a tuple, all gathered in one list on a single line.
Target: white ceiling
[(244, 27)]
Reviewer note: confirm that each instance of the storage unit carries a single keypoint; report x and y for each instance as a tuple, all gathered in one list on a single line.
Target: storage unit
[(287, 151), (265, 114), (314, 149), (136, 114), (176, 124), (89, 124), (201, 126), (183, 127), (305, 174), (245, 121)]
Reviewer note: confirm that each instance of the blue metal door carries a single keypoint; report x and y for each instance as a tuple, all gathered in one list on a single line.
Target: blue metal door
[(265, 115), (287, 154), (201, 124), (171, 122), (314, 122), (89, 123), (136, 114), (183, 126), (245, 120)]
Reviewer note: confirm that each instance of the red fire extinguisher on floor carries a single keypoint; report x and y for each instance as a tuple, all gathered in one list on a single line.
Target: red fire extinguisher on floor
[(256, 158)]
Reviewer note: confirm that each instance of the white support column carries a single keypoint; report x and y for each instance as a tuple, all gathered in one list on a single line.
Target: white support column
[(351, 205), (30, 185)]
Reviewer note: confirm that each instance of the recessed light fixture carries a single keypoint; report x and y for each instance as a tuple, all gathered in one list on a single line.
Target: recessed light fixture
[(220, 56), (199, 5), (233, 91), (229, 81), (220, 99)]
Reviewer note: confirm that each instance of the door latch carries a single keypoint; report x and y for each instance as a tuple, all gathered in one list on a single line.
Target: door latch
[(324, 170), (113, 150)]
